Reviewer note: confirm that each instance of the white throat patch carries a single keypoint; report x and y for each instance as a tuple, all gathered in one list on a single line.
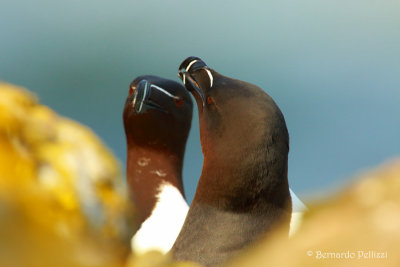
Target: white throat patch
[(161, 229)]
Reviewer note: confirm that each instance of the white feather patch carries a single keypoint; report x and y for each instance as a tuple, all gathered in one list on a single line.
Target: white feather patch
[(297, 213), (161, 229)]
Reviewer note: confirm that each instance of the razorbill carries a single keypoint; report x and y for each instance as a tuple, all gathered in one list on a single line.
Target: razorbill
[(243, 189), (157, 117)]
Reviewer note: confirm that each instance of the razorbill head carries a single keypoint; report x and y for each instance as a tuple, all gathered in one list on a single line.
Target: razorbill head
[(243, 190), (157, 118)]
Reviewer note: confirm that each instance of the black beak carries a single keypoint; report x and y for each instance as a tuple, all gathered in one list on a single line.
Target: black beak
[(191, 84), (142, 100)]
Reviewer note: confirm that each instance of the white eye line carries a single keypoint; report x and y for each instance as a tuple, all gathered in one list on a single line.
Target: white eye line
[(164, 91), (210, 76), (190, 64)]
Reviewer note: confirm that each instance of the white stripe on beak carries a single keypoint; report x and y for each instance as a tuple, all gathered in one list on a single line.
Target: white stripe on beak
[(190, 64), (184, 78), (144, 96)]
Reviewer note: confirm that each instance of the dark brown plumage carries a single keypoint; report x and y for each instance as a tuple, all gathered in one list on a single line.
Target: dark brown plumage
[(243, 189)]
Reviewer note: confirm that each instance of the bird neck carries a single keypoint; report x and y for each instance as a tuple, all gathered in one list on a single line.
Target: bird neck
[(147, 170), (245, 183)]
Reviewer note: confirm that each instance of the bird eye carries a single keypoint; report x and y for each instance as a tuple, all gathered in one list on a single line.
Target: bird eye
[(209, 100), (178, 101)]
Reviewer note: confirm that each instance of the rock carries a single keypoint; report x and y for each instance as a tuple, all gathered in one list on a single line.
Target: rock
[(62, 199), (359, 226)]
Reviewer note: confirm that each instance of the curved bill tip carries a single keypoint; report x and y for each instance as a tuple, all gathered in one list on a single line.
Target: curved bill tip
[(187, 62), (191, 85)]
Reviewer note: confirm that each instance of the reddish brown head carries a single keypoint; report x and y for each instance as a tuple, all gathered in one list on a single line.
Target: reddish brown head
[(157, 114), (157, 118)]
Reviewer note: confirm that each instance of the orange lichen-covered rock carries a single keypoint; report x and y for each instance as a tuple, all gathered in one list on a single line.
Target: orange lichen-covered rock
[(360, 226), (62, 199)]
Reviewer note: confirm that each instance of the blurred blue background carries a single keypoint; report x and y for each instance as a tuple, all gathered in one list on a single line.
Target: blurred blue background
[(333, 67)]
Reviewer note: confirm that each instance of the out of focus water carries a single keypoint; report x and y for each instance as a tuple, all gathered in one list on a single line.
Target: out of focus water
[(332, 66)]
